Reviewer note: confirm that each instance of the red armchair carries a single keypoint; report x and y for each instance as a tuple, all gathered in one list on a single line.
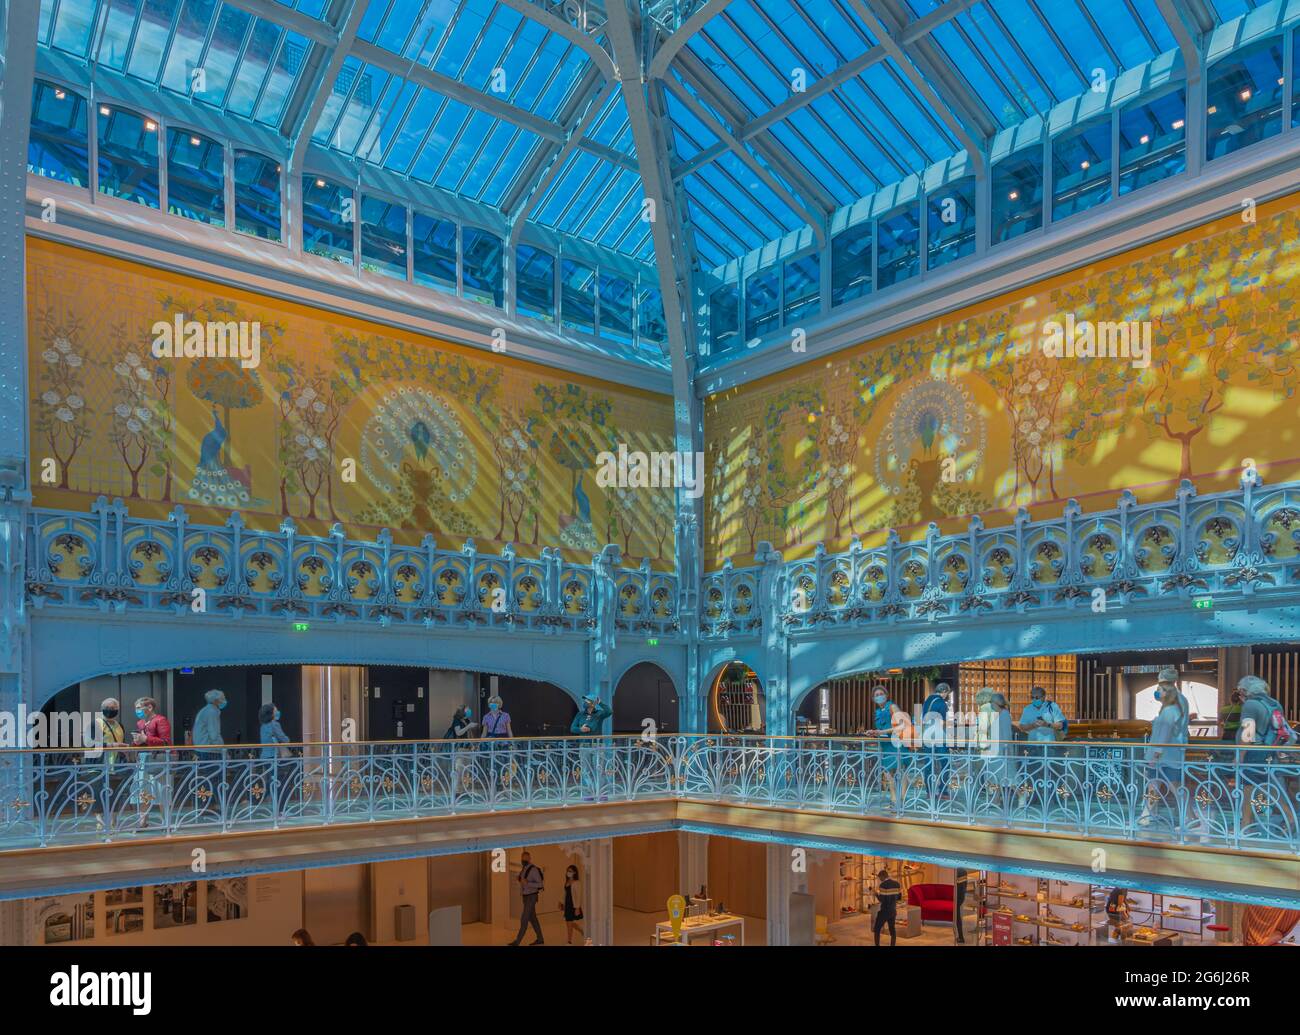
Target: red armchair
[(935, 901)]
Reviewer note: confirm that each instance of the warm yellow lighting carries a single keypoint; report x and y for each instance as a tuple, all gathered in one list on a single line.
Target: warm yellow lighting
[(1245, 95), (104, 111), (60, 94), (1084, 165), (1178, 124), (1013, 195), (195, 141), (320, 183), (1145, 139), (149, 127), (1213, 109)]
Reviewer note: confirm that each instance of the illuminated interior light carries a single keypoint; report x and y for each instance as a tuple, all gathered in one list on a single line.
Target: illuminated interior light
[(320, 183), (60, 94), (149, 127), (1014, 195), (1212, 109), (1245, 95), (1144, 139), (1084, 164), (1178, 124), (104, 111), (195, 141)]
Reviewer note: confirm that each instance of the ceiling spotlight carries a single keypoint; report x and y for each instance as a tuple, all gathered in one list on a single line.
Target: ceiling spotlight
[(60, 94), (1178, 124), (1245, 95), (104, 110), (320, 183), (195, 141), (1281, 80), (1084, 164), (150, 126), (1213, 109), (1144, 139), (1014, 195)]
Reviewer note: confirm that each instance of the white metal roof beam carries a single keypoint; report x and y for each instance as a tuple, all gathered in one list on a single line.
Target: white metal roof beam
[(920, 83), (286, 17), (314, 85), (669, 48), (572, 33), (817, 223), (1173, 17)]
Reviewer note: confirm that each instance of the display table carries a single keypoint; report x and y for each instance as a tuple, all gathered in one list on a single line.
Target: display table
[(700, 929)]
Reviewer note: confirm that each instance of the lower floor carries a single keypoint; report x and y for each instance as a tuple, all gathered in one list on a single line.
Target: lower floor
[(642, 890)]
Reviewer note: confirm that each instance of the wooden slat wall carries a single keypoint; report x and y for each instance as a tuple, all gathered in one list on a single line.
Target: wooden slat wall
[(1279, 666), (1095, 690), (853, 710), (1016, 677)]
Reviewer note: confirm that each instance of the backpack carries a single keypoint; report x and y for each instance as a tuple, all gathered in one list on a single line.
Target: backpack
[(1278, 732)]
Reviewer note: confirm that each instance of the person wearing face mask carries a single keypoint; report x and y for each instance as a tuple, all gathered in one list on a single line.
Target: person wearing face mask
[(1230, 717), (1164, 760), (460, 732), (896, 729), (572, 909), (207, 733), (111, 734), (934, 730), (1263, 722), (497, 731), (1041, 722), (274, 758), (995, 738), (586, 725), (152, 730)]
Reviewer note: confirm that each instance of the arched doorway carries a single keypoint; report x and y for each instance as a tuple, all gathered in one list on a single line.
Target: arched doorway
[(737, 703), (843, 705), (645, 691)]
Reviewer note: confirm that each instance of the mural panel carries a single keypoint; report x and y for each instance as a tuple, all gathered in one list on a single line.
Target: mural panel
[(292, 412), (1175, 361)]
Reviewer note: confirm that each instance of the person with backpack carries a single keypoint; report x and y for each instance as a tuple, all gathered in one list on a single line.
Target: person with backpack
[(1263, 722), (531, 884)]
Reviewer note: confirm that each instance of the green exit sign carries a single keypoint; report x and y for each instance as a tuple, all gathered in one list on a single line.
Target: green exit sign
[(652, 642), (1204, 604), (300, 627)]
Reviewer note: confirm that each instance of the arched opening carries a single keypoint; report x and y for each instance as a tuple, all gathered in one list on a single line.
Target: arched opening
[(536, 708), (737, 703), (843, 705), (1202, 702), (645, 692)]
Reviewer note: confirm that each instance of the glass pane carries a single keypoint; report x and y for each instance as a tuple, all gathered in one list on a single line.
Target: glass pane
[(257, 195), (851, 268), (898, 249), (950, 222), (1244, 99), (652, 326), (59, 147), (128, 155), (724, 318), (803, 277), (434, 244), (196, 177), (1295, 78), (762, 303), (327, 218), (383, 237), (1081, 168), (616, 308), (484, 273), (1152, 141), (1017, 195), (578, 296), (535, 283)]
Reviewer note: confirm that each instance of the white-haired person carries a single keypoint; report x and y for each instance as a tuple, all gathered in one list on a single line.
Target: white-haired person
[(1166, 750), (1263, 723), (498, 732), (208, 743)]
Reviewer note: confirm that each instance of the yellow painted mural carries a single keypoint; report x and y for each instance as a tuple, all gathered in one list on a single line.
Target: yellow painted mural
[(321, 418), (1175, 361)]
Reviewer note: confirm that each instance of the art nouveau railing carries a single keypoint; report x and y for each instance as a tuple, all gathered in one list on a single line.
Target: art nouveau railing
[(108, 559), (1224, 796), (1231, 544)]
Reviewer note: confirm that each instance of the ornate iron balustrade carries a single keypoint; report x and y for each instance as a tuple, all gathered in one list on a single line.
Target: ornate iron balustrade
[(1233, 544), (108, 559), (1225, 796)]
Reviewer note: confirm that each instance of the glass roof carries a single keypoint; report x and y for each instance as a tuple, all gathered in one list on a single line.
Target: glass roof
[(773, 113)]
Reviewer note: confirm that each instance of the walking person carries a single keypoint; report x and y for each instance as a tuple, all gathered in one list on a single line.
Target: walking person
[(888, 892), (497, 731), (586, 724), (934, 729), (111, 735), (152, 730), (278, 771), (461, 732), (572, 911), (207, 767), (1164, 761), (531, 884)]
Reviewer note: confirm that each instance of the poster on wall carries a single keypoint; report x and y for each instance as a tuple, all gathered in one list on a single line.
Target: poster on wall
[(175, 905), (63, 918), (227, 899), (124, 910)]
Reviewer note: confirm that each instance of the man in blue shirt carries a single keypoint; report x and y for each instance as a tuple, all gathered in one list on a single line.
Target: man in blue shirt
[(1040, 722), (934, 728)]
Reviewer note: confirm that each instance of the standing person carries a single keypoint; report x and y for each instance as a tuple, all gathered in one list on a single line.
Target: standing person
[(207, 767), (960, 878), (884, 724), (1117, 914), (1263, 722), (531, 883), (1230, 717), (572, 911), (1043, 723), (270, 734), (497, 729), (888, 892), (934, 728), (460, 732), (152, 730), (586, 724), (1165, 762), (111, 734)]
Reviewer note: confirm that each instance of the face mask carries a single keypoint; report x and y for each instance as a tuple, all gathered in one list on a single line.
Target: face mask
[(222, 705), (110, 713), (1157, 693), (880, 700), (469, 714), (139, 713), (277, 715), (493, 706), (1039, 700)]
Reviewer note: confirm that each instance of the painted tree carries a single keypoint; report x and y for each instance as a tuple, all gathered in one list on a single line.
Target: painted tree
[(574, 424), (514, 447), (142, 412), (59, 413), (789, 427)]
